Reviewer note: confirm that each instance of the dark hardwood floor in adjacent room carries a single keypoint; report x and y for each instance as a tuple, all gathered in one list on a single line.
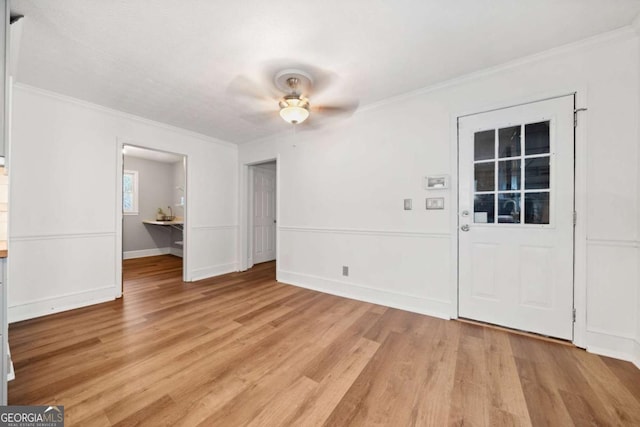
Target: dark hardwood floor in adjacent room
[(242, 349)]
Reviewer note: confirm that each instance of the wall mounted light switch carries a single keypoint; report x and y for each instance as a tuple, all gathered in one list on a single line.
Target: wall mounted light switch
[(408, 204), (435, 203)]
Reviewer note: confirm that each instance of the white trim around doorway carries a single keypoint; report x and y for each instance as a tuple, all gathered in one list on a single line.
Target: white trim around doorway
[(120, 143), (245, 248)]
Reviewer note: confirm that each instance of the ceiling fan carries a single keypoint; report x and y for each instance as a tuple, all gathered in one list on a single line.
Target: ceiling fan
[(294, 107), (289, 91)]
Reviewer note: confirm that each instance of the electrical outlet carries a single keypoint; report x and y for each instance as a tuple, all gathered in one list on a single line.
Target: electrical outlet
[(345, 270)]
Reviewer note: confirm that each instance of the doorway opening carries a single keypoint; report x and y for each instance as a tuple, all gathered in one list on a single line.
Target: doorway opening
[(262, 213), (154, 205)]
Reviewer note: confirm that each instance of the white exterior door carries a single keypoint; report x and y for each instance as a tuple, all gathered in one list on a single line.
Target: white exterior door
[(516, 177), (264, 215)]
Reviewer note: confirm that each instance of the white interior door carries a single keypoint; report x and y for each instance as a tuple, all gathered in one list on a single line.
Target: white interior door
[(264, 215), (516, 173)]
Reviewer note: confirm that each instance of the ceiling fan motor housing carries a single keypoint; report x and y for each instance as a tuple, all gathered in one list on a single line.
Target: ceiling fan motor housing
[(294, 108), (294, 100), (302, 81)]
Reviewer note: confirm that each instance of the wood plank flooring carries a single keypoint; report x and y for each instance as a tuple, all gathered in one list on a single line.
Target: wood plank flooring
[(242, 349)]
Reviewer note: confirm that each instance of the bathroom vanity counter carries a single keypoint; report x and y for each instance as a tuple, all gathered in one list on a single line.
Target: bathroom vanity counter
[(154, 222), (176, 223)]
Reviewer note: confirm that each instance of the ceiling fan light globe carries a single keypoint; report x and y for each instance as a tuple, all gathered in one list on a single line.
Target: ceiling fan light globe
[(294, 114)]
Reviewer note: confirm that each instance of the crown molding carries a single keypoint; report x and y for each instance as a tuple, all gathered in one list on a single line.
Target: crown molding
[(628, 32), (624, 33), (121, 114)]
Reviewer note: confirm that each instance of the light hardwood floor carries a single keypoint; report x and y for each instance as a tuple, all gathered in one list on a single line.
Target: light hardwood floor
[(242, 349)]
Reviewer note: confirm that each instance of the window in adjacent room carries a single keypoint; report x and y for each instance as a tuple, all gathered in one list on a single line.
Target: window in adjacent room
[(130, 192)]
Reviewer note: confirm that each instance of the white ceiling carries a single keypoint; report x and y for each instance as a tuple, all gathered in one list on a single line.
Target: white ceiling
[(173, 61)]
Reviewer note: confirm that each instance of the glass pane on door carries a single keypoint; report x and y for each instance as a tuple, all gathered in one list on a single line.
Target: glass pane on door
[(507, 170), (536, 208), (509, 175), (536, 173), (536, 137), (484, 176), (484, 208), (509, 208), (509, 142), (484, 145)]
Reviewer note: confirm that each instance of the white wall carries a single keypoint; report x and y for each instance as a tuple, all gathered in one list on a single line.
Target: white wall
[(341, 189), (64, 236)]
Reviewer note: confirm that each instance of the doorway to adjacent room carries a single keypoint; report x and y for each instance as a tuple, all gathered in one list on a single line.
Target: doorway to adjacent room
[(153, 206)]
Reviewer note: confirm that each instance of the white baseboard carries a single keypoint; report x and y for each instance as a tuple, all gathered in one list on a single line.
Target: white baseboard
[(623, 348), (45, 306), (145, 253), (212, 271), (176, 251), (421, 305)]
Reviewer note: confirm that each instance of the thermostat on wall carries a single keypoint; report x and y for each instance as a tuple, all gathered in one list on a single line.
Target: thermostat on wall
[(436, 182), (435, 203)]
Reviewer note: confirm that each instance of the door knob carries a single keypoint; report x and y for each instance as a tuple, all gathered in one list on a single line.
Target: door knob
[(465, 227)]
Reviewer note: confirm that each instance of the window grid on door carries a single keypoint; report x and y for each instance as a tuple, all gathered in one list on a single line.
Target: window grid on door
[(512, 174)]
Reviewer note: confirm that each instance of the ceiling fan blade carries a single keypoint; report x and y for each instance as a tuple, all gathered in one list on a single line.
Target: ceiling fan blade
[(245, 87), (261, 118), (345, 109), (322, 79), (266, 89)]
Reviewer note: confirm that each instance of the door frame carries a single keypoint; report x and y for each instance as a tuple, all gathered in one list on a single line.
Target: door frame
[(119, 216), (250, 212), (580, 202), (245, 237)]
